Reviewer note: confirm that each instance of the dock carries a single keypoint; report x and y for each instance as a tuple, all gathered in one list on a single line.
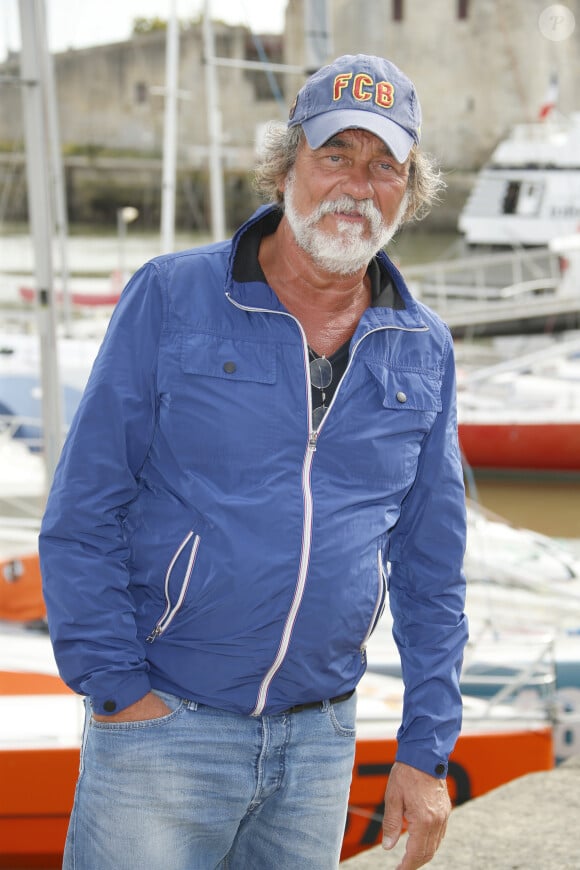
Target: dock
[(527, 824)]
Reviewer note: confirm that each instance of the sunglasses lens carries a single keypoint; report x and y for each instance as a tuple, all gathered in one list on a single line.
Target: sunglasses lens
[(317, 415), (320, 372), (320, 378)]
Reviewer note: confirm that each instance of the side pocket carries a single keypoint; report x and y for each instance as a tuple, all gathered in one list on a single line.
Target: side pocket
[(173, 604), (380, 600)]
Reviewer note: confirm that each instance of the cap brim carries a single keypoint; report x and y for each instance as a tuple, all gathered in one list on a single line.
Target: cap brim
[(321, 128)]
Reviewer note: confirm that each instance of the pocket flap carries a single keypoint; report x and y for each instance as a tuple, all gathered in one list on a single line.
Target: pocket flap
[(229, 358), (408, 390)]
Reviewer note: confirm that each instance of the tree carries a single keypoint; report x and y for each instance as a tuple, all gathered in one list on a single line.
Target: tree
[(148, 25)]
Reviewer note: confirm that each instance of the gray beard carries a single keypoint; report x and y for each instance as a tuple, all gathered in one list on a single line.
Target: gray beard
[(347, 250)]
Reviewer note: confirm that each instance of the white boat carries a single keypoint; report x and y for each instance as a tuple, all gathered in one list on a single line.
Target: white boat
[(509, 556), (529, 191), (22, 466), (523, 413), (22, 472), (21, 411)]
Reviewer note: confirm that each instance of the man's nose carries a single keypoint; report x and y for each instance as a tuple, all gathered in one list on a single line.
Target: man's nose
[(358, 183)]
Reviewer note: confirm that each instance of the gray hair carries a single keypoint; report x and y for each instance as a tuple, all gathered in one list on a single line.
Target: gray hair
[(278, 155)]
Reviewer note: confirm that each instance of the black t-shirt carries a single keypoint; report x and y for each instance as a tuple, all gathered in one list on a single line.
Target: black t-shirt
[(247, 268)]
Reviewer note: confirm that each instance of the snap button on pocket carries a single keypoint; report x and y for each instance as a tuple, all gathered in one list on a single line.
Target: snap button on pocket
[(229, 367), (401, 397)]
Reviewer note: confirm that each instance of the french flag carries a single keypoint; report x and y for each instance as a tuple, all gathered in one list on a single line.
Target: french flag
[(550, 100)]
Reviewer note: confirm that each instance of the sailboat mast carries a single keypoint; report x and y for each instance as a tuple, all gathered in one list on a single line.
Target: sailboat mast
[(34, 58), (218, 220), (170, 133)]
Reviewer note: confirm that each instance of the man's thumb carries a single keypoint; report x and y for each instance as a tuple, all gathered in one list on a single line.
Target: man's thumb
[(391, 832)]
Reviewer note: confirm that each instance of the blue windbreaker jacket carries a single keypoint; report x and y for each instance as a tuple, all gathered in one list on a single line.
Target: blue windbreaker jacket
[(201, 539)]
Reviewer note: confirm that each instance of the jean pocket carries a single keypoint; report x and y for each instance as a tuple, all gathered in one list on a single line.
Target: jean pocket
[(145, 724), (343, 717)]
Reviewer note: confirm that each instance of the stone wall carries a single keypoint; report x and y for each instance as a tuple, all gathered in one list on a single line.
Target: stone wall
[(476, 78), (111, 116)]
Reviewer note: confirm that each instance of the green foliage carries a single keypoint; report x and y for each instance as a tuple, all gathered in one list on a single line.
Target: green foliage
[(94, 151), (7, 146), (148, 25)]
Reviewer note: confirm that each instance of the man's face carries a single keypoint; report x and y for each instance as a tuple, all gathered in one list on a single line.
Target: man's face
[(344, 201)]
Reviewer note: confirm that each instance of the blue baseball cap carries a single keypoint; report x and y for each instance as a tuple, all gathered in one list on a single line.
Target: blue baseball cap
[(359, 91)]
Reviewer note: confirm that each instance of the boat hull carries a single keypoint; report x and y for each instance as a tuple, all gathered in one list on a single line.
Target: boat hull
[(536, 446), (38, 782)]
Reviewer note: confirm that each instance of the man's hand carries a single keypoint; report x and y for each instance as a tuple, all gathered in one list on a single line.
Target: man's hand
[(149, 707), (424, 802)]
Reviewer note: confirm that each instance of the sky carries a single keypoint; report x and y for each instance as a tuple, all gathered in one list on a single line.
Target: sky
[(80, 23)]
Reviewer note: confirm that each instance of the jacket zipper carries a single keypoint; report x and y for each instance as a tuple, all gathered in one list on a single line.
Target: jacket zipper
[(307, 496), (172, 609), (301, 581)]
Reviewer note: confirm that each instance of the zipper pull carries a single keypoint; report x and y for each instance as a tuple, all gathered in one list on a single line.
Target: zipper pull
[(154, 634), (312, 440)]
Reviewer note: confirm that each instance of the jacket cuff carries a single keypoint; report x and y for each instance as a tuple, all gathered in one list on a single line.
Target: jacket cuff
[(121, 695), (435, 765)]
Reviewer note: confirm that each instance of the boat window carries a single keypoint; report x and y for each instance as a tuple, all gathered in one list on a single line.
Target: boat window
[(522, 198), (510, 200)]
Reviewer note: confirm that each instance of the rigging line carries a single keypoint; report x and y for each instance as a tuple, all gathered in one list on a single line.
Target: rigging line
[(274, 87), (263, 57)]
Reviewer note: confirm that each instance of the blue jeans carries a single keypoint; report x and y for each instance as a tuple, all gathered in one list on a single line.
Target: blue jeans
[(202, 789)]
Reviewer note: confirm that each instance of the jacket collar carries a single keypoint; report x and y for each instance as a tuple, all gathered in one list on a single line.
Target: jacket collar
[(247, 285)]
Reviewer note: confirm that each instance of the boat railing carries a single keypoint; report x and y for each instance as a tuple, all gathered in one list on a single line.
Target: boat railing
[(525, 288), (484, 277), (534, 360), (509, 668)]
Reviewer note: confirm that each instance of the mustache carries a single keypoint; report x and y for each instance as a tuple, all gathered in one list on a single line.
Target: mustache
[(348, 205)]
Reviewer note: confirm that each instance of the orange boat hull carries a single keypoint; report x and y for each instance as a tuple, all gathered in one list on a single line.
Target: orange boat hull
[(38, 784), (538, 446), (21, 589)]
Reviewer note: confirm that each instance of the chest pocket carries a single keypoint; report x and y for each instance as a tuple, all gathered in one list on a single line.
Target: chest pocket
[(411, 400), (228, 358), (220, 406), (406, 390)]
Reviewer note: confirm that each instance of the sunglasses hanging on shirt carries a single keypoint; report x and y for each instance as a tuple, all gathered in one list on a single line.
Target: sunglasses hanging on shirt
[(320, 378)]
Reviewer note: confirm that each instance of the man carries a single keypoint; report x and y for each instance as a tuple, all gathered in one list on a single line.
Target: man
[(266, 443)]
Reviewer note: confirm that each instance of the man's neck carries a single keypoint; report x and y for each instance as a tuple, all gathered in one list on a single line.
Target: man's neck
[(328, 305)]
